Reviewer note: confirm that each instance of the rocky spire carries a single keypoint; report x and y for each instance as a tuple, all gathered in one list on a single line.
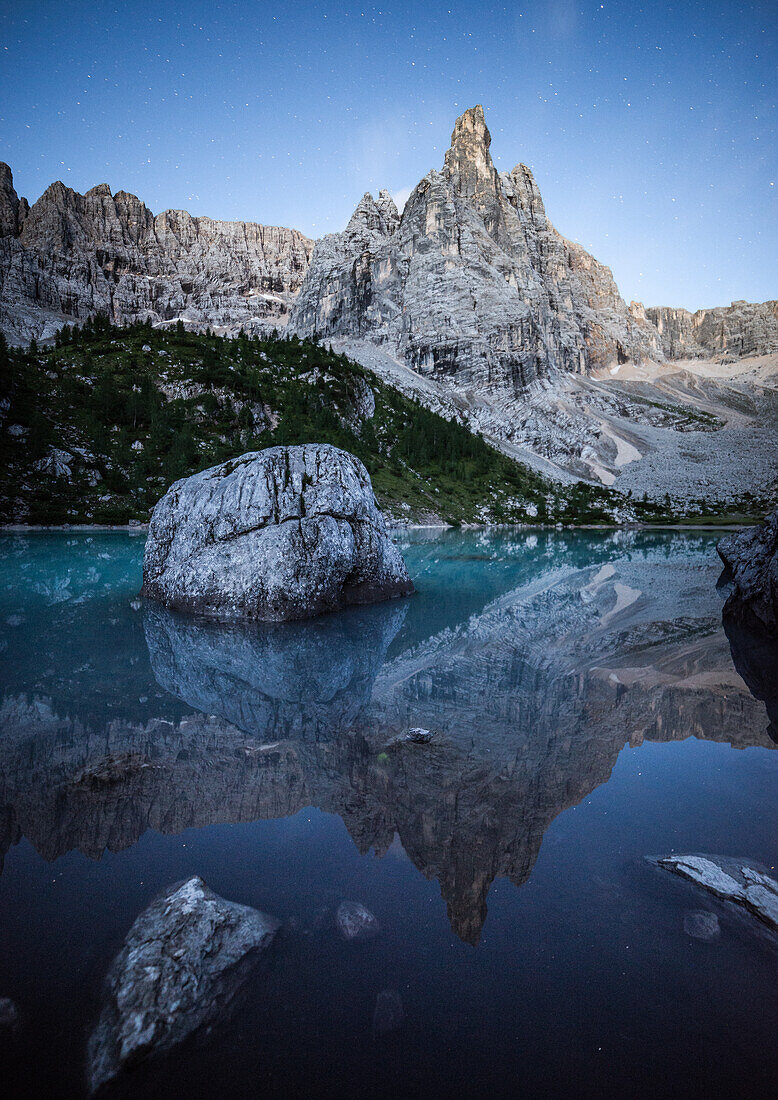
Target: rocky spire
[(12, 209), (388, 209), (470, 170)]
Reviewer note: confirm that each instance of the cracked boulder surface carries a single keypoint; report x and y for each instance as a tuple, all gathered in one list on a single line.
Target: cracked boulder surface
[(182, 961), (285, 533), (734, 880)]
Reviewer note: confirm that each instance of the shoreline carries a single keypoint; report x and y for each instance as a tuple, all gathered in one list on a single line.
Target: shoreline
[(142, 528)]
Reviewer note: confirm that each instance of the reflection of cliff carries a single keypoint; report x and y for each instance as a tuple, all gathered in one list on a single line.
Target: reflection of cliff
[(755, 656), (532, 700)]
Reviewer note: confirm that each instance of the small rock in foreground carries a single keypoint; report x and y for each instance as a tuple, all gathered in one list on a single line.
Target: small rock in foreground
[(182, 961), (731, 879), (701, 925), (285, 533), (355, 922), (388, 1015)]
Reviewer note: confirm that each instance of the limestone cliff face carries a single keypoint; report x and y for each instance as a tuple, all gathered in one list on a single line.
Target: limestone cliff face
[(71, 255), (472, 281), (743, 328)]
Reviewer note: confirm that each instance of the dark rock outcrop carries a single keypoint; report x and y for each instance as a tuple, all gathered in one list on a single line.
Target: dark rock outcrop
[(182, 961), (285, 533), (752, 558)]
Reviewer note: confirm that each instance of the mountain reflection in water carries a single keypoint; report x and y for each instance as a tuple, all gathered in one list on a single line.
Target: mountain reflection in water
[(531, 698)]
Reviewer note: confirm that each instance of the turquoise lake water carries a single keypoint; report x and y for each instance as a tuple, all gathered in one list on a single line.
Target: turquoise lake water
[(587, 710)]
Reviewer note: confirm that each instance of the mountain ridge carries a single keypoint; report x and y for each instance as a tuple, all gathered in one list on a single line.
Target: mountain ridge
[(70, 255)]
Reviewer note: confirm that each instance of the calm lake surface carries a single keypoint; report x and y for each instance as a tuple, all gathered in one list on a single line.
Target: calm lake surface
[(587, 712)]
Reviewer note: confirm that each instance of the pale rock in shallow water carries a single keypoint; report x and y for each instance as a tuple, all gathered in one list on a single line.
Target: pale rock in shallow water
[(285, 533), (731, 879), (388, 1014), (182, 961), (752, 557), (9, 1013), (355, 921)]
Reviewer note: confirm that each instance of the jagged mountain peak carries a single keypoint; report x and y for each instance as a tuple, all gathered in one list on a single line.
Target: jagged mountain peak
[(468, 165), (471, 129), (475, 283), (100, 190)]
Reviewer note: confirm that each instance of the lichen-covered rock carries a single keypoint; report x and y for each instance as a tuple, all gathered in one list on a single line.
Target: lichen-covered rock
[(182, 961), (752, 557), (285, 533)]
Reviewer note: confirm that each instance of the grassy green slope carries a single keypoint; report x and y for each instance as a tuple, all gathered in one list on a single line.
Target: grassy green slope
[(95, 429)]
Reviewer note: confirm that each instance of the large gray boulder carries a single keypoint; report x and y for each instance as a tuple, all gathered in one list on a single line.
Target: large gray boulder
[(752, 557), (182, 961), (285, 533)]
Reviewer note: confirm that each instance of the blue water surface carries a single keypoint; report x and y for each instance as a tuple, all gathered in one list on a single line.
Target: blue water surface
[(587, 710)]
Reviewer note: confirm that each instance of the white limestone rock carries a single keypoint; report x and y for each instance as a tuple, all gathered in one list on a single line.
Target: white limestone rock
[(182, 961), (731, 879), (740, 329), (285, 533)]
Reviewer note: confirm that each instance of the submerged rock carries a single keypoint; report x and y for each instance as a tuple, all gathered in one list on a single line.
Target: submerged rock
[(731, 879), (355, 922), (285, 533), (182, 961), (752, 557), (388, 1014), (701, 925), (9, 1013)]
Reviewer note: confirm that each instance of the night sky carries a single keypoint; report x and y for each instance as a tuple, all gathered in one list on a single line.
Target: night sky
[(650, 128)]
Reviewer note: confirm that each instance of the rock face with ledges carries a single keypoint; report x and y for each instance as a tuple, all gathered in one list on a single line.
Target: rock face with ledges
[(72, 255), (473, 282), (742, 328), (285, 533)]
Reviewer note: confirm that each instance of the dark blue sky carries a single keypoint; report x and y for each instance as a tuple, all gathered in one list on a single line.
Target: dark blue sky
[(650, 128)]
